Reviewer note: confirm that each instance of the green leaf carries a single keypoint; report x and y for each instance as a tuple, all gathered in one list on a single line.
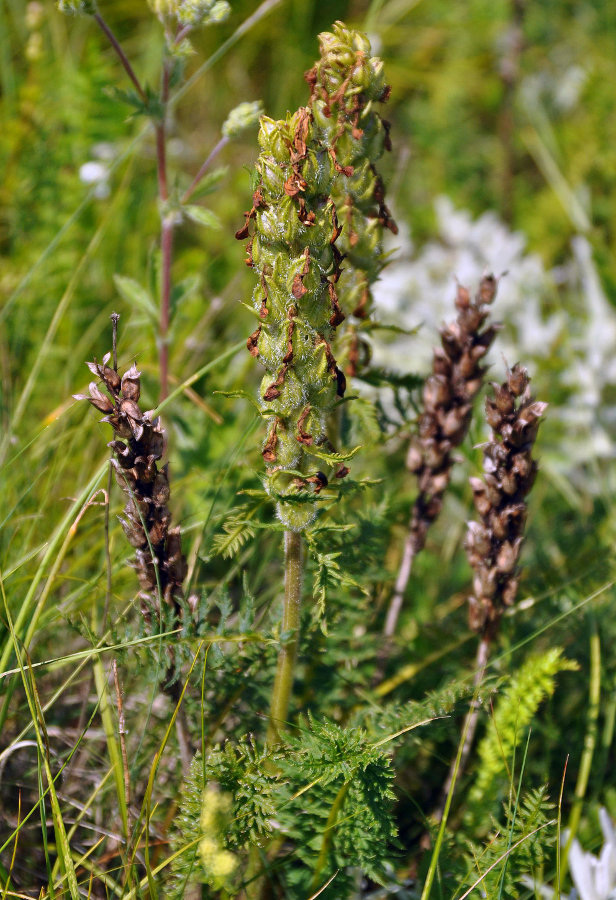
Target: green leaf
[(332, 456), (136, 295), (202, 216), (210, 182)]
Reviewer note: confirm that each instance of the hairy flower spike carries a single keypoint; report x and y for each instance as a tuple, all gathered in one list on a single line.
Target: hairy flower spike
[(294, 255), (457, 376), (346, 84), (137, 448), (493, 545)]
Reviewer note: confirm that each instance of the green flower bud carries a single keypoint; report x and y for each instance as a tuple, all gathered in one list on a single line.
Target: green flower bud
[(346, 83), (192, 12), (77, 7), (244, 116), (293, 229)]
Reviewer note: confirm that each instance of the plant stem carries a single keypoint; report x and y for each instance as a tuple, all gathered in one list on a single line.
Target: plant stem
[(470, 726), (208, 162), (283, 683), (590, 741), (404, 573), (167, 217), (121, 56), (166, 234)]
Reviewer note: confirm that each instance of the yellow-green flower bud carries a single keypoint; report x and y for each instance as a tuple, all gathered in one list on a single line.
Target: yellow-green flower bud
[(292, 249), (219, 864)]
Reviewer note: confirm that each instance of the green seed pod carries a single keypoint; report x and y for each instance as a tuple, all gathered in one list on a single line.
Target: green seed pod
[(346, 84), (292, 249)]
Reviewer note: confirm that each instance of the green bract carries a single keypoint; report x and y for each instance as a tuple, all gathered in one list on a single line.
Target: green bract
[(293, 252), (346, 83)]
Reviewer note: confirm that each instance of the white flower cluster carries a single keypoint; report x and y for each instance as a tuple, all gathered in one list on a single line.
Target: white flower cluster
[(557, 323)]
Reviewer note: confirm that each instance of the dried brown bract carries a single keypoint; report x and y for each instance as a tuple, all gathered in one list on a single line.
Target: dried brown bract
[(457, 376), (493, 544), (138, 447)]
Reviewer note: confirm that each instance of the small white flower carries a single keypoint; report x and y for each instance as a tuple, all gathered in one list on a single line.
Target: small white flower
[(97, 174)]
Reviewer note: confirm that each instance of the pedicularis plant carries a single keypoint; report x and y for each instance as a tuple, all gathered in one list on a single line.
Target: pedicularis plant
[(291, 805)]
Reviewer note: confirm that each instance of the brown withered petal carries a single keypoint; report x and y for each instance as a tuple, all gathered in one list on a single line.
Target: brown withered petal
[(131, 384), (517, 379), (130, 409), (98, 399), (135, 535), (160, 489)]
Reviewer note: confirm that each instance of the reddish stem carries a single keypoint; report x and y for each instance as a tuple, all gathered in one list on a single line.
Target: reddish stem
[(208, 162), (166, 236), (121, 56)]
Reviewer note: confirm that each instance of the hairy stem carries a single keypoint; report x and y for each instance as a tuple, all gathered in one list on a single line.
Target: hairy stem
[(283, 683)]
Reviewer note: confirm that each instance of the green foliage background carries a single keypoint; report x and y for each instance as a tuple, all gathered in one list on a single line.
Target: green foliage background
[(458, 130)]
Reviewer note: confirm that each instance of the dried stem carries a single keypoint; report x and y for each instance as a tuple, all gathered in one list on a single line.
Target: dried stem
[(122, 732)]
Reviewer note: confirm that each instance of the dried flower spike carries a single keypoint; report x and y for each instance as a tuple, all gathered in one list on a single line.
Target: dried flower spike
[(138, 447), (493, 544), (292, 249), (448, 393), (457, 375), (346, 85)]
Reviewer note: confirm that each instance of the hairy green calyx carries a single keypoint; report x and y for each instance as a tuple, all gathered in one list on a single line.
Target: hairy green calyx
[(293, 251), (346, 84)]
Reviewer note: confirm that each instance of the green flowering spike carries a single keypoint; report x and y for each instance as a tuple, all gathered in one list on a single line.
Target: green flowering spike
[(346, 85), (244, 116), (292, 249)]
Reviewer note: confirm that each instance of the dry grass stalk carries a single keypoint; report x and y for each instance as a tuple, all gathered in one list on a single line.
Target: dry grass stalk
[(448, 394)]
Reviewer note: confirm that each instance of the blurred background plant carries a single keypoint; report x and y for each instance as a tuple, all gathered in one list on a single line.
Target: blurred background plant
[(504, 159)]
